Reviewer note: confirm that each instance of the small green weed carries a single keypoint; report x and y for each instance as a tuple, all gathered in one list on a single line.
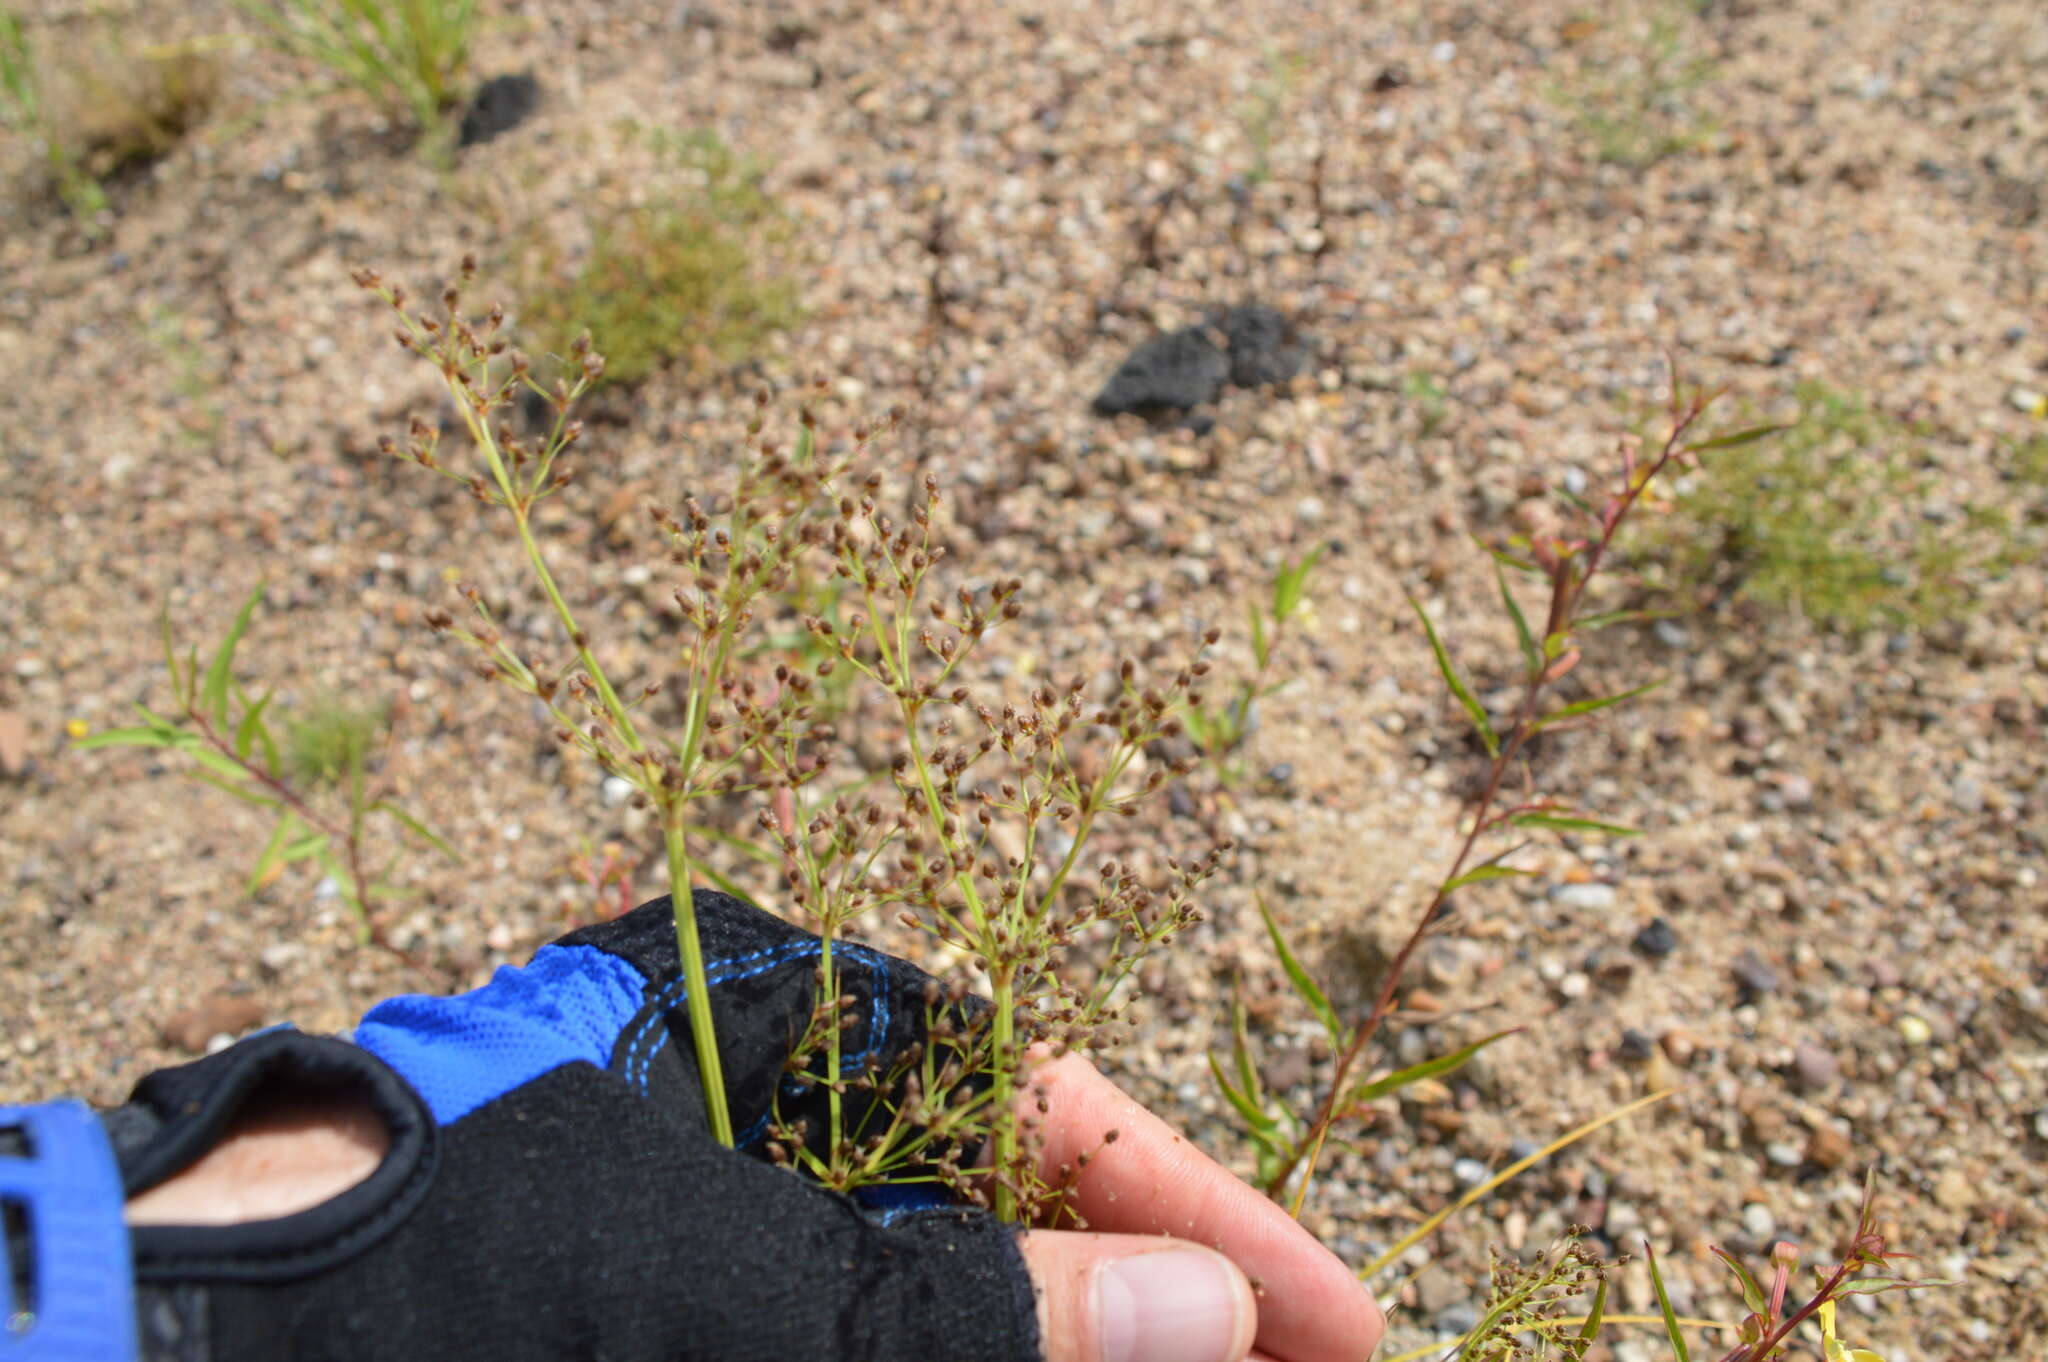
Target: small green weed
[(408, 56), (106, 108), (1430, 399), (1261, 112), (683, 276), (1635, 73), (1831, 519), (1218, 733), (322, 780)]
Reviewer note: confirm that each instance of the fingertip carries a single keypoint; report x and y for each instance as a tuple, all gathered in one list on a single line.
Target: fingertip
[(1138, 1298)]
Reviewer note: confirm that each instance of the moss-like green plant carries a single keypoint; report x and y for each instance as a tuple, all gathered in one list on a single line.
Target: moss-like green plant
[(1832, 518), (681, 277)]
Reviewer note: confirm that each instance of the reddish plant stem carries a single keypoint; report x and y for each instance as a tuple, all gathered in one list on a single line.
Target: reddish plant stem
[(351, 838), (1568, 588)]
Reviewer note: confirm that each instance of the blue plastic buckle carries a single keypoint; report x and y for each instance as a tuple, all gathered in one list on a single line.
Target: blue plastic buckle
[(59, 1184)]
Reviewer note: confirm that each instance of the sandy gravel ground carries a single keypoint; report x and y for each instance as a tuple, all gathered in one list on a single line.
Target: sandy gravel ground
[(1845, 833)]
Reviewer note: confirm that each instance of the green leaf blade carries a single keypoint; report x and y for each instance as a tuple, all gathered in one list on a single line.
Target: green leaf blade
[(1577, 708), (1572, 823), (1428, 1068), (213, 696), (1304, 983), (1473, 709), (1483, 873), (126, 737), (1532, 657), (1671, 1329)]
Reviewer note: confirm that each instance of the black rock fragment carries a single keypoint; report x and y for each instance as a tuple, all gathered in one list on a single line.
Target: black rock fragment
[(1250, 346), (501, 104), (1657, 938), (1173, 372), (1264, 347)]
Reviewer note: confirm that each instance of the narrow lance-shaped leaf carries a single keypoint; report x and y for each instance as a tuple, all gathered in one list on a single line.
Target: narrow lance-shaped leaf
[(1484, 872), (127, 737), (1671, 1328), (417, 828), (1532, 659), (241, 792), (1877, 1286), (1473, 709), (307, 845), (1257, 1119), (1241, 1043), (163, 624), (1304, 983), (1734, 438), (1575, 709), (1428, 1068), (1260, 646), (1292, 583), (1595, 1314), (1591, 623), (252, 725), (272, 858), (213, 697), (1753, 1294), (1571, 823)]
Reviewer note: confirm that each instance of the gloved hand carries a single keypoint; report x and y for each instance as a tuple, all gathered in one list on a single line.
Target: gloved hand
[(541, 1185)]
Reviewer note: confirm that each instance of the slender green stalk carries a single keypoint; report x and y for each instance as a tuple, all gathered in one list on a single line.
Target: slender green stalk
[(701, 1033), (682, 903)]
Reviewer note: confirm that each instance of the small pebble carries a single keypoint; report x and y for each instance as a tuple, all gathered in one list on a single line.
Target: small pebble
[(1785, 1154), (615, 791), (1469, 1172), (1755, 978), (1636, 1046), (1827, 1148), (1758, 1221), (1657, 938), (1815, 1069), (1574, 985), (1457, 1320), (1592, 895), (1915, 1030)]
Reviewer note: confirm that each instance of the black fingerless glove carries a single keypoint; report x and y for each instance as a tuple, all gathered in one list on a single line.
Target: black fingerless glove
[(551, 1190)]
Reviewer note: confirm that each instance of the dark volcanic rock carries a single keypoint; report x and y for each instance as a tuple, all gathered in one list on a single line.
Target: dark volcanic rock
[(1178, 370), (1264, 347), (1250, 346), (501, 104)]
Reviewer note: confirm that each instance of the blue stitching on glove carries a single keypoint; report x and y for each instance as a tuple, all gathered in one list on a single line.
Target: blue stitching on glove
[(639, 1066)]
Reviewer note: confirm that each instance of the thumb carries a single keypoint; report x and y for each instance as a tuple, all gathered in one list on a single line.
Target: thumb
[(1137, 1298)]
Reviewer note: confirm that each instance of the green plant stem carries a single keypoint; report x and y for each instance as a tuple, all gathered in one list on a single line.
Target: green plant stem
[(682, 903), (702, 1035)]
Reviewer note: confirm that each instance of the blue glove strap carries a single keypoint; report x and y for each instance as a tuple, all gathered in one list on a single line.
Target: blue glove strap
[(57, 1174)]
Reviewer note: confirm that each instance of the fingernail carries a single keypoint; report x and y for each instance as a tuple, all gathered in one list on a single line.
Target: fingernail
[(1177, 1305)]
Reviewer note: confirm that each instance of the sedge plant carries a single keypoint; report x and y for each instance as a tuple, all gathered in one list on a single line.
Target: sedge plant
[(980, 841), (409, 57)]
